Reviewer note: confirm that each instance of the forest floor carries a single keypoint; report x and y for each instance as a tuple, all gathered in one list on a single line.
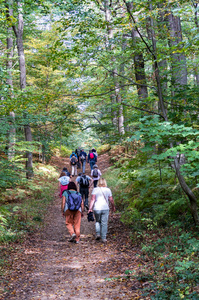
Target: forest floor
[(46, 266)]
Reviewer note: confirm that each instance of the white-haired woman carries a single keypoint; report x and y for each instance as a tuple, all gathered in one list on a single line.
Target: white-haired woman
[(101, 196)]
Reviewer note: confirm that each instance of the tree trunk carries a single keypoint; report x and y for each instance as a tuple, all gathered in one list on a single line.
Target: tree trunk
[(12, 130), (29, 166), (185, 187), (178, 59), (19, 35), (188, 192), (117, 96), (138, 58)]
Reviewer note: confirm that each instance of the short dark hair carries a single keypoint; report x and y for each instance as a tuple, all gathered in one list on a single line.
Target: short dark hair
[(72, 186), (65, 169)]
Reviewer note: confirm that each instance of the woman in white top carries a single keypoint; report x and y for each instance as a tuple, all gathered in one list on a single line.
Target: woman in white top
[(101, 196)]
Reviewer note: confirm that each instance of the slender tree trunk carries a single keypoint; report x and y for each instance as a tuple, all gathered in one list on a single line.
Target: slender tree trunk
[(178, 59), (188, 192), (117, 96), (19, 35), (138, 58), (12, 130)]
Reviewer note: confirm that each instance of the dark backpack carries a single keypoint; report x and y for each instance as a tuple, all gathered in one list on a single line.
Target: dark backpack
[(82, 157), (91, 155), (74, 201), (73, 161), (84, 182), (95, 173)]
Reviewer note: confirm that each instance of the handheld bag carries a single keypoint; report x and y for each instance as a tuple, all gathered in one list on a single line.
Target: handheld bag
[(74, 201)]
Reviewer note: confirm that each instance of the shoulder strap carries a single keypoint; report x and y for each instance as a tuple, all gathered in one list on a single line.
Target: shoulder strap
[(103, 195)]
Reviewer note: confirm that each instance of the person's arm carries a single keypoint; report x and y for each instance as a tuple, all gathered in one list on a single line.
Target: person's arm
[(110, 198), (82, 207), (63, 204), (92, 203), (90, 182)]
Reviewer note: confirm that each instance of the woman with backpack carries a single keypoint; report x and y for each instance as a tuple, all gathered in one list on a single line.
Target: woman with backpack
[(72, 208), (95, 174), (101, 196), (63, 182)]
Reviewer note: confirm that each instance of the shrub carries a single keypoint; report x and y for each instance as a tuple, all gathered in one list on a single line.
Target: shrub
[(103, 149)]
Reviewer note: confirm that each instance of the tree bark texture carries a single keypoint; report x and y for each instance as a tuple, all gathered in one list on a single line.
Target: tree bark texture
[(12, 130), (29, 164), (117, 96), (19, 36), (178, 59), (188, 192), (138, 58)]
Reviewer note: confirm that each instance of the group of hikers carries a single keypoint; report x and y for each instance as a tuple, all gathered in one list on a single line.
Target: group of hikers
[(74, 203), (78, 159)]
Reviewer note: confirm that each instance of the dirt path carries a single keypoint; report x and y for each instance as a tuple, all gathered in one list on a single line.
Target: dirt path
[(47, 266)]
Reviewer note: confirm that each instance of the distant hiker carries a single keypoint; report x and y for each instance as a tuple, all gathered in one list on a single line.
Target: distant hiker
[(83, 156), (72, 154), (92, 159), (101, 196), (77, 152), (95, 174), (65, 170), (95, 152), (63, 183), (73, 161), (84, 182), (72, 208)]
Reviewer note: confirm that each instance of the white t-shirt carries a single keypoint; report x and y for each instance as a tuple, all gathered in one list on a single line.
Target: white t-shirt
[(100, 202)]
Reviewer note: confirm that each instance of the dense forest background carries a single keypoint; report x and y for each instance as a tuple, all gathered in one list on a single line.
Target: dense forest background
[(120, 76)]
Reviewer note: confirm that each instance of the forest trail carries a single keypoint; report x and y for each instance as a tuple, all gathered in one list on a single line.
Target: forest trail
[(47, 266)]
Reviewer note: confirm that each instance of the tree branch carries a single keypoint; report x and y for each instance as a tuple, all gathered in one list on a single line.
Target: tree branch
[(142, 109)]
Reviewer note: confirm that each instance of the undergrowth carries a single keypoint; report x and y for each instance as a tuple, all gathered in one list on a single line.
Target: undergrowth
[(152, 204), (23, 207)]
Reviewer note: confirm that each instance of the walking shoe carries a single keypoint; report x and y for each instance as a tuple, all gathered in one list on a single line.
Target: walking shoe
[(98, 237), (72, 238), (104, 241)]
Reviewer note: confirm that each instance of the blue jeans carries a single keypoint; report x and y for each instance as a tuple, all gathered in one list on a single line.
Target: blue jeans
[(92, 163), (83, 166), (101, 225)]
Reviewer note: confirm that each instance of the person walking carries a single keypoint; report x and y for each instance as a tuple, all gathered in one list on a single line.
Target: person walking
[(92, 159), (73, 216), (83, 156), (95, 174), (65, 170), (63, 183), (73, 161), (72, 154), (85, 183), (77, 152), (101, 196)]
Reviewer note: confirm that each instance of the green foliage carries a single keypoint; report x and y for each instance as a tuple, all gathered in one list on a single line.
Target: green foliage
[(24, 207), (64, 151), (175, 265), (103, 149)]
